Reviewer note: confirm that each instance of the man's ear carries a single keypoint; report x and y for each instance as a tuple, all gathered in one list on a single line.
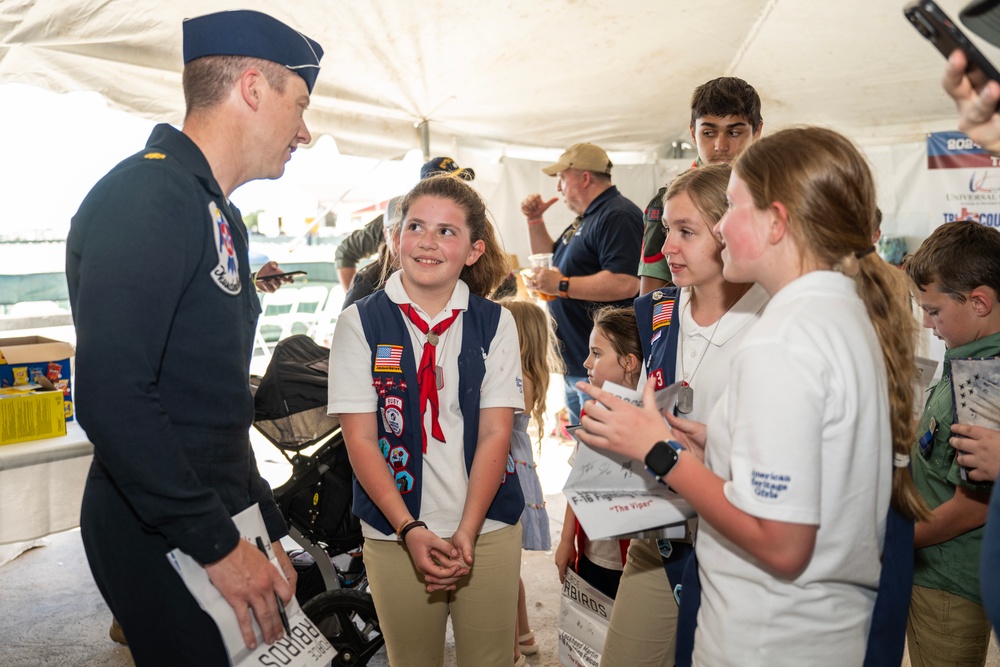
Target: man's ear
[(983, 300), (250, 85), (759, 132)]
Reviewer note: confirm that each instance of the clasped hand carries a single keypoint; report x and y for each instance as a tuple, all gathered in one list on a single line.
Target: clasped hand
[(442, 563)]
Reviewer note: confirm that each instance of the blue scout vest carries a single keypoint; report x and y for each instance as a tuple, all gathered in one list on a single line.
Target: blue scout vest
[(655, 313), (399, 415), (892, 601)]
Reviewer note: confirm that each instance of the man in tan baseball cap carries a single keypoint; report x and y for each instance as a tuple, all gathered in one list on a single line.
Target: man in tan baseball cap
[(594, 259), (586, 157)]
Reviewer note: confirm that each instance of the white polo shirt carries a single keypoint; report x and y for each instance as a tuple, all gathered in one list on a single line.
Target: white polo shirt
[(802, 434)]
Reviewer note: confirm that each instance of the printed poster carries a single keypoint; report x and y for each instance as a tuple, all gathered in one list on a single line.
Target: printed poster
[(305, 646), (963, 180), (584, 613)]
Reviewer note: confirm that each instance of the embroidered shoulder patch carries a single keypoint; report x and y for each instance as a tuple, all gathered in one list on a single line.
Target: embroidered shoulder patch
[(226, 273), (155, 156), (663, 313), (388, 358)]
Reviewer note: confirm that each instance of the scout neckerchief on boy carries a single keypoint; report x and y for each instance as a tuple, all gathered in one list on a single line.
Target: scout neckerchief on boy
[(429, 375)]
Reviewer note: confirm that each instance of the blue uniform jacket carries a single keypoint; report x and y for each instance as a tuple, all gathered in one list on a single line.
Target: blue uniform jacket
[(165, 312)]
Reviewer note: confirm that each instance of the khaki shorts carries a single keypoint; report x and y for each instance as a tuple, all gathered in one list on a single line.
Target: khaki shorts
[(945, 630)]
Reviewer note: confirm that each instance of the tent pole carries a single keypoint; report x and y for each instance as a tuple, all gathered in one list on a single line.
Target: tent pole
[(425, 139)]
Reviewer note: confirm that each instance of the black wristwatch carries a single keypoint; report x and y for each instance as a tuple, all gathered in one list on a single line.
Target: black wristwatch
[(564, 287), (662, 458)]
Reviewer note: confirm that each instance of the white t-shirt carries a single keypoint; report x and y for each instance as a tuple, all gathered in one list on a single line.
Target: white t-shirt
[(445, 479), (802, 434)]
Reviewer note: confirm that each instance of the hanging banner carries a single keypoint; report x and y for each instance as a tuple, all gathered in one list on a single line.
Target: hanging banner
[(963, 179)]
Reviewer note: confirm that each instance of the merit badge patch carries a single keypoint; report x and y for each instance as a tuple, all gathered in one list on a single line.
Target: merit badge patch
[(404, 482), (388, 358), (658, 374), (662, 314), (393, 414), (226, 273), (399, 458), (383, 446)]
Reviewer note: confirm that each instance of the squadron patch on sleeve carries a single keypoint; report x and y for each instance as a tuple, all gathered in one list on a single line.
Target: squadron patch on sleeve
[(226, 273)]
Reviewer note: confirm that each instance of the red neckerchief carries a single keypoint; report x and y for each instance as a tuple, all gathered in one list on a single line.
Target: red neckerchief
[(426, 378)]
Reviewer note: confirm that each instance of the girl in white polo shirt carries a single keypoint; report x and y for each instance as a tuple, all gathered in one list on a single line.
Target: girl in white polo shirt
[(809, 442)]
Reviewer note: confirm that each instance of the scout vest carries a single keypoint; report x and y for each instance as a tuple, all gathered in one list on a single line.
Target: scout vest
[(399, 415), (655, 314)]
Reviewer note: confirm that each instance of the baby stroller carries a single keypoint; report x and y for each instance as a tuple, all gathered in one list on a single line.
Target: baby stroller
[(290, 411)]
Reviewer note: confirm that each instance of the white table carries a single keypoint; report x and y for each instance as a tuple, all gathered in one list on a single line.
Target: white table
[(41, 485)]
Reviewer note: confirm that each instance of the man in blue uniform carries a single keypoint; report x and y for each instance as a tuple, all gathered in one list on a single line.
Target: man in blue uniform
[(165, 310), (594, 260)]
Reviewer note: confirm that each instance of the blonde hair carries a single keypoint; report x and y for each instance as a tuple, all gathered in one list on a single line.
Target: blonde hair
[(493, 265), (539, 357), (828, 191), (706, 186)]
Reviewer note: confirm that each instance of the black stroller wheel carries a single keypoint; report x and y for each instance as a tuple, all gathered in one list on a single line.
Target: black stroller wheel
[(348, 620)]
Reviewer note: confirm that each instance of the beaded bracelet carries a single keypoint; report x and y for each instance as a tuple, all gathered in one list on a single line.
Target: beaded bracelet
[(408, 527)]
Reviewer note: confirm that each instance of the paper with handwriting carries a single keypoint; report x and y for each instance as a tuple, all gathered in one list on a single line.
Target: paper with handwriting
[(613, 495)]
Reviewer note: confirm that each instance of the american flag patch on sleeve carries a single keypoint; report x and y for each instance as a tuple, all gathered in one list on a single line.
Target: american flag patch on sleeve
[(662, 314), (387, 358)]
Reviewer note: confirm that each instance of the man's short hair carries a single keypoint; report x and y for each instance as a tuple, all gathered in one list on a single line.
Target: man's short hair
[(726, 96), (208, 80), (958, 257)]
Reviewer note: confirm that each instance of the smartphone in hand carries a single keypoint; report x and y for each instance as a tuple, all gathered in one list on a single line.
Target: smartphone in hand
[(931, 22), (272, 276)]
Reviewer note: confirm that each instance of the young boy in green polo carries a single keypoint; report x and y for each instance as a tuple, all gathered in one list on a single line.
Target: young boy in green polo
[(957, 273)]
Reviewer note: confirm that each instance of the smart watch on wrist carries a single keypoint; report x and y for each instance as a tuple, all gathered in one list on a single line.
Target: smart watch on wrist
[(662, 458), (564, 287)]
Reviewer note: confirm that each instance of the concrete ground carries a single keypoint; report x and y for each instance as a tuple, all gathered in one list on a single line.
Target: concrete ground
[(51, 613)]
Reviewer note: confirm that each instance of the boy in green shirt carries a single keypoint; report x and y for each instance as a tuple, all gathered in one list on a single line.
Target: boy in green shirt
[(957, 273)]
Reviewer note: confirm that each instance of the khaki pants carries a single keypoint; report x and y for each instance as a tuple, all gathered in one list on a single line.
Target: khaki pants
[(483, 609), (643, 626), (945, 630)]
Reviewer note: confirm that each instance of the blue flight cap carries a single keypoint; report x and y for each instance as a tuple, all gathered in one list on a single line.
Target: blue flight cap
[(248, 33)]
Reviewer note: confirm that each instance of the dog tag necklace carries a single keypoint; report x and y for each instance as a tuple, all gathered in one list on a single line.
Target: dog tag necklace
[(432, 339), (685, 397)]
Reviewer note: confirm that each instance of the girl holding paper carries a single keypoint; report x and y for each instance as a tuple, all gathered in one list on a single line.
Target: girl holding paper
[(794, 493), (689, 333)]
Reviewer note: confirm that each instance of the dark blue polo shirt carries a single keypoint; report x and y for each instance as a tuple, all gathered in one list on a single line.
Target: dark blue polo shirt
[(608, 239)]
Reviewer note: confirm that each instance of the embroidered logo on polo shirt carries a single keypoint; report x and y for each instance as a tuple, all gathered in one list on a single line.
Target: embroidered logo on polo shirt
[(226, 273), (155, 156), (769, 485)]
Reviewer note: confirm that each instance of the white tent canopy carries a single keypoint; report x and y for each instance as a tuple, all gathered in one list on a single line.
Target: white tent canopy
[(509, 73)]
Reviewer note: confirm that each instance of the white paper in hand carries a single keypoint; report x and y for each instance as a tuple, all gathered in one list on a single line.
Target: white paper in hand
[(304, 647), (613, 495)]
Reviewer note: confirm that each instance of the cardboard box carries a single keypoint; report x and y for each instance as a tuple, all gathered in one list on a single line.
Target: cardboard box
[(23, 359), (31, 416)]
